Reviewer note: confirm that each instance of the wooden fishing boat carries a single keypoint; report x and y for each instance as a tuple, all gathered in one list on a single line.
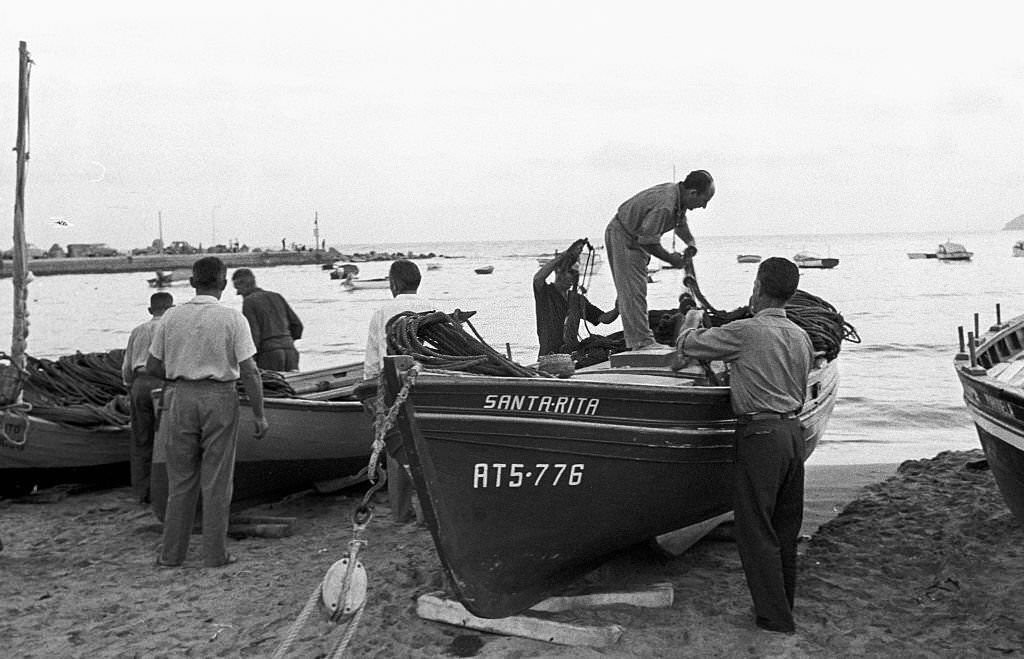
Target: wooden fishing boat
[(528, 483), (36, 453), (484, 270), (950, 251), (322, 434), (992, 376), (806, 260), (748, 258)]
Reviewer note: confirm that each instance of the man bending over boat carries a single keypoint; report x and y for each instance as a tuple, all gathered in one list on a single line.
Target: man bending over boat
[(404, 281), (140, 386), (201, 349), (274, 325), (634, 235), (770, 358), (560, 305)]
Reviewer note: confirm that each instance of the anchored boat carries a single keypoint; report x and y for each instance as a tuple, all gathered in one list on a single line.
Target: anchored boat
[(950, 251), (317, 434), (991, 372), (806, 260)]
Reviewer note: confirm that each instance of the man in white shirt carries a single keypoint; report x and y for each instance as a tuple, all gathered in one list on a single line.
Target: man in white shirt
[(140, 386), (404, 280), (201, 349)]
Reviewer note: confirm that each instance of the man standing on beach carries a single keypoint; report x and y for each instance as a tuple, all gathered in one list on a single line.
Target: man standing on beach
[(634, 235), (274, 325), (404, 281), (770, 358), (200, 350), (140, 386)]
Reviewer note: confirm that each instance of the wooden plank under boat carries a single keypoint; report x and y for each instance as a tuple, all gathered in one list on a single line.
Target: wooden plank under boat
[(320, 435), (44, 453), (992, 377), (528, 483)]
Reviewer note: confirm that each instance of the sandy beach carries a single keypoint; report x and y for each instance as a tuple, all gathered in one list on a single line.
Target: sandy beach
[(921, 560)]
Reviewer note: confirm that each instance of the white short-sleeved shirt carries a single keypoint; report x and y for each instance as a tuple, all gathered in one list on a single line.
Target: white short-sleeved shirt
[(376, 339), (202, 340)]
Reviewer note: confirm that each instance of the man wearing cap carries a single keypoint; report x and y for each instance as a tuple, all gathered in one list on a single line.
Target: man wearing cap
[(770, 358), (634, 235)]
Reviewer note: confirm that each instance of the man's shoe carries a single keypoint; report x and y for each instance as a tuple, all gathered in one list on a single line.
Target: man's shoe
[(228, 560)]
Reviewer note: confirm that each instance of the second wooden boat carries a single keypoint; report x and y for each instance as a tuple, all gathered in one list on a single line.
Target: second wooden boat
[(320, 434), (992, 376)]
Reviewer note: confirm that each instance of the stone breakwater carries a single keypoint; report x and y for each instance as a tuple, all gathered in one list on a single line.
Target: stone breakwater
[(155, 262)]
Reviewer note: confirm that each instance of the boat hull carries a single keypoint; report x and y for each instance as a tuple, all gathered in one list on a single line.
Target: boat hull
[(308, 441), (997, 409), (527, 484), (53, 454)]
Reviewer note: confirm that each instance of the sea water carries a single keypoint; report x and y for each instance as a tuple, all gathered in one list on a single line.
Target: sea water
[(898, 399)]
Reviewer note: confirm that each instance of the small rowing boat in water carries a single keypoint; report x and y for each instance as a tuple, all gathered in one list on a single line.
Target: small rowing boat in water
[(321, 433), (484, 270), (991, 371), (748, 258), (168, 277), (805, 260)]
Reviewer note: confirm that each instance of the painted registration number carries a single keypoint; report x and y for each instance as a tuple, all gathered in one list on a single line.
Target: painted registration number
[(501, 474)]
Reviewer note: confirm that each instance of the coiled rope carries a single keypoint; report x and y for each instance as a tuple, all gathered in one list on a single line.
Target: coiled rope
[(439, 341), (826, 326)]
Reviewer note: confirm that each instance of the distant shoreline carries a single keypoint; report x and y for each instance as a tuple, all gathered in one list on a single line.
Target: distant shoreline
[(156, 262)]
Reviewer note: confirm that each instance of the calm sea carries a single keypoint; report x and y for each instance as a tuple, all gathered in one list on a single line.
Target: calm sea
[(899, 398)]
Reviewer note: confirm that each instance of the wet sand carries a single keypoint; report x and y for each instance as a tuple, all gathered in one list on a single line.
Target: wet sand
[(922, 561)]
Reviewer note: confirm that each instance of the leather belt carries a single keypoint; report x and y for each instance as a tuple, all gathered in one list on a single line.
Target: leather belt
[(766, 416)]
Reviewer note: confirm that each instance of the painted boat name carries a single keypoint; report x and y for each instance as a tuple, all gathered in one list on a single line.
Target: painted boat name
[(549, 404), (501, 474)]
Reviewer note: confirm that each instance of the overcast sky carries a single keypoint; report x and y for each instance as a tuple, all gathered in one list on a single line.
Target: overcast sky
[(439, 120)]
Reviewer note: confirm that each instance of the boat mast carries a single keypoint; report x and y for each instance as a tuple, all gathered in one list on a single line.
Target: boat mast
[(19, 270), (316, 232)]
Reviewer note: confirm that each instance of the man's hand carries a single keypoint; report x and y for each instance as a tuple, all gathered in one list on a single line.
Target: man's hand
[(691, 251), (608, 316), (260, 427), (675, 259)]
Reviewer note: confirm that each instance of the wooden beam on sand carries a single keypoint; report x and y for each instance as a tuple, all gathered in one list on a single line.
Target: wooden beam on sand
[(678, 541), (655, 595), (434, 606)]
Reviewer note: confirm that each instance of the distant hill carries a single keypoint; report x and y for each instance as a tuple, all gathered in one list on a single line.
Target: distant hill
[(1016, 224)]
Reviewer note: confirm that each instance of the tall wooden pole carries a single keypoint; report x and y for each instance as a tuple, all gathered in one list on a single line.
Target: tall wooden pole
[(19, 273)]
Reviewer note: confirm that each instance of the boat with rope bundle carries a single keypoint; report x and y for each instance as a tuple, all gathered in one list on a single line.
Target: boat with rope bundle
[(69, 426), (527, 481), (319, 434), (990, 368)]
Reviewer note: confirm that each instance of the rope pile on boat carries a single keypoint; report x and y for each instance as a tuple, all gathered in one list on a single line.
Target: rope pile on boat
[(83, 389), (439, 341), (826, 326)]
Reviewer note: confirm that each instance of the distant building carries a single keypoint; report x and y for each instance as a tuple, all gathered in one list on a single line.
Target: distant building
[(90, 249)]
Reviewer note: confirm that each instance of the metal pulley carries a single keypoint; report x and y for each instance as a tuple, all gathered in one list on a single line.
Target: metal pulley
[(344, 588)]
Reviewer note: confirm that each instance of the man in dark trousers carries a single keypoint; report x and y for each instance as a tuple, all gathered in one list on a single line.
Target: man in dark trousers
[(140, 386), (770, 358), (201, 349), (275, 327)]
